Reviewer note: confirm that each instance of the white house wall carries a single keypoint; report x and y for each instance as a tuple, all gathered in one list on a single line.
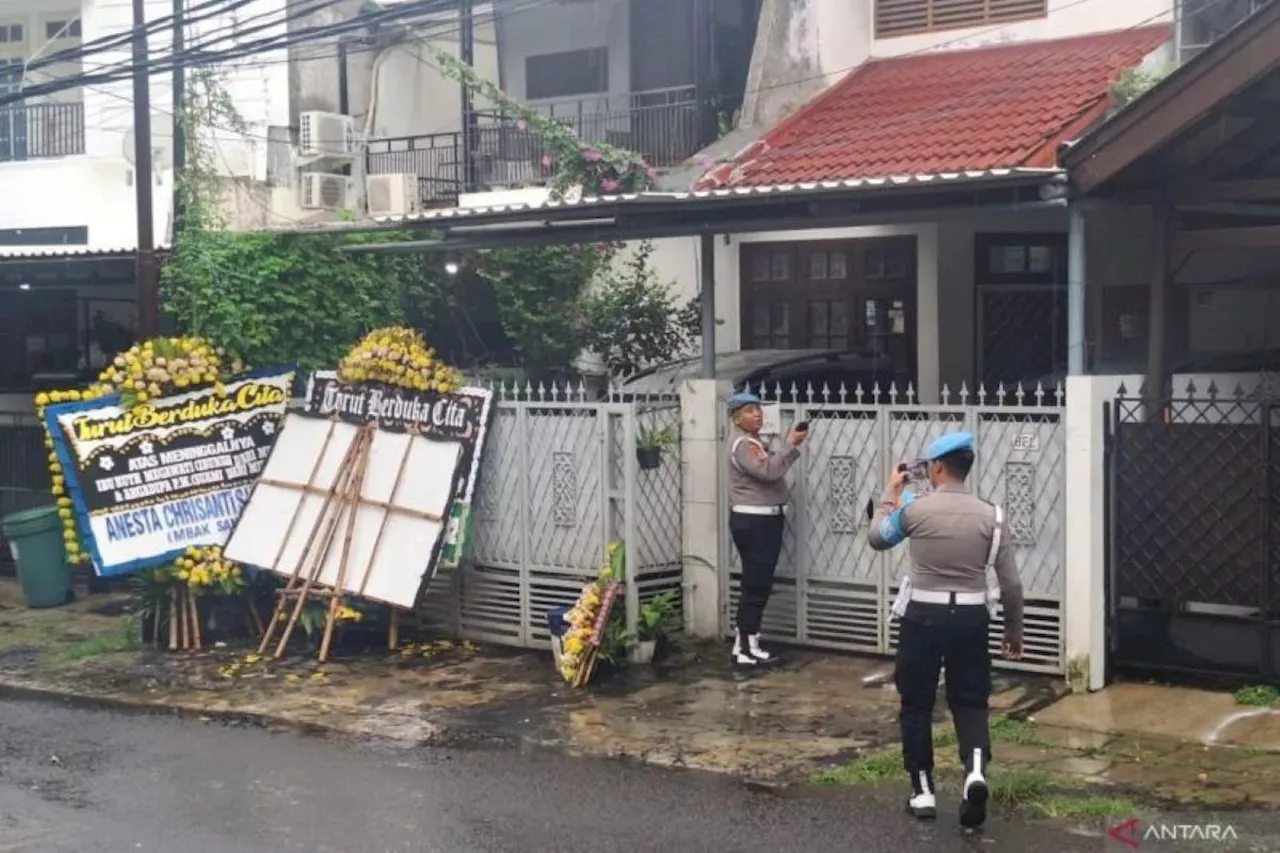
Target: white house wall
[(96, 189), (802, 46), (414, 98), (1066, 18), (536, 29)]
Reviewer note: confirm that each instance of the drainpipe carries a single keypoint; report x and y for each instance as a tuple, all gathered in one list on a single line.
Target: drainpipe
[(1076, 284), (707, 288)]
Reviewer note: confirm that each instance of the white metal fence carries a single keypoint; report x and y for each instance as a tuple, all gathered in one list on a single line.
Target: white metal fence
[(832, 589), (559, 481)]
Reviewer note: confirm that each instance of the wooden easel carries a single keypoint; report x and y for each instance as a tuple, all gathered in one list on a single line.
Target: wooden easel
[(340, 504), (184, 621)]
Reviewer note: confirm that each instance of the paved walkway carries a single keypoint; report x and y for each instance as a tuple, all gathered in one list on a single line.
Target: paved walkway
[(793, 723)]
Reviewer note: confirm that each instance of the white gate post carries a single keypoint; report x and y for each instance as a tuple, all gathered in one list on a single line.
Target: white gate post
[(1085, 593), (702, 403)]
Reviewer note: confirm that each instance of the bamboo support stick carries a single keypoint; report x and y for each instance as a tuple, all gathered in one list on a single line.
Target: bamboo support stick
[(295, 576), (386, 515), (346, 474), (302, 499), (173, 618), (255, 620), (195, 621), (352, 507), (183, 598), (291, 598)]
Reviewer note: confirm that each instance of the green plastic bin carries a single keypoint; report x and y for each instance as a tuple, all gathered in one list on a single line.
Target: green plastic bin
[(35, 537)]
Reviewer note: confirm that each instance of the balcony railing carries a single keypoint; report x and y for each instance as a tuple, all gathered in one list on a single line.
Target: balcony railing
[(665, 127), (38, 131)]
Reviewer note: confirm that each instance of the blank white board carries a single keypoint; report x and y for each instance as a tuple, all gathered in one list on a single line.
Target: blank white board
[(399, 521)]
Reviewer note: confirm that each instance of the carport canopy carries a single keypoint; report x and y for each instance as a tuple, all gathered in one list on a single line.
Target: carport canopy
[(709, 213), (1203, 149)]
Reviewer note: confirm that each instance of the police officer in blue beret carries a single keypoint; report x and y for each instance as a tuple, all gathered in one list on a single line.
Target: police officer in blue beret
[(758, 497), (944, 606)]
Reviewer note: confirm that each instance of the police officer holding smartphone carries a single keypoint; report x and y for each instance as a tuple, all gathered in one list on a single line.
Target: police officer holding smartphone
[(956, 541), (758, 497)]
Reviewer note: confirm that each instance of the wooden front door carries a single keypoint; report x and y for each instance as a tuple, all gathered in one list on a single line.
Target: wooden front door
[(852, 295)]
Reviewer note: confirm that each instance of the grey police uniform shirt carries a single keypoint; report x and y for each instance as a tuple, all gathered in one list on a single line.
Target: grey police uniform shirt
[(757, 472), (949, 535)]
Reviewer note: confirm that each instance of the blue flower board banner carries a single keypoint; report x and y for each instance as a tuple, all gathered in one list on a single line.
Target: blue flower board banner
[(149, 482)]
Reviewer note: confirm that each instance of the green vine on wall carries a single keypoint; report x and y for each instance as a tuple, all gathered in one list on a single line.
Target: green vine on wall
[(599, 168), (271, 298)]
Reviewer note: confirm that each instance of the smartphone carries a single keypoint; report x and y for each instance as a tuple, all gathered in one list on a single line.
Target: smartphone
[(802, 426)]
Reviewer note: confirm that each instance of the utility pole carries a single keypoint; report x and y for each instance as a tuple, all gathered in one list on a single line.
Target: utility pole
[(344, 87), (179, 107), (147, 270), (467, 36)]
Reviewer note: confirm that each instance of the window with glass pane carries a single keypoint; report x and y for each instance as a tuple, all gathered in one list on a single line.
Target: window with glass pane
[(770, 325), (1039, 259), (873, 263), (828, 324), (1009, 259), (818, 266), (838, 328), (780, 266), (781, 315), (897, 262), (818, 325), (760, 269), (837, 266)]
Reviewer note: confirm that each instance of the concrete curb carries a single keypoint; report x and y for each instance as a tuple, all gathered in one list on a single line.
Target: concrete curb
[(443, 736)]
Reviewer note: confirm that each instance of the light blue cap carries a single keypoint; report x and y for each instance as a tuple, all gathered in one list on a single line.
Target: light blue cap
[(741, 399), (950, 443)]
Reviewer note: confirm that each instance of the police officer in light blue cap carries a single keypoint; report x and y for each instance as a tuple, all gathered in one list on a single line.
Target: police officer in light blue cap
[(945, 606), (758, 497)]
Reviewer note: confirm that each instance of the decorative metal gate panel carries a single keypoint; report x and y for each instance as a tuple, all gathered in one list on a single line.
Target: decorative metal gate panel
[(832, 589), (24, 470), (1194, 556), (560, 480)]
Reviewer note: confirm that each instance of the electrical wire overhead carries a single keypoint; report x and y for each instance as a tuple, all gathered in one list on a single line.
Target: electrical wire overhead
[(200, 52)]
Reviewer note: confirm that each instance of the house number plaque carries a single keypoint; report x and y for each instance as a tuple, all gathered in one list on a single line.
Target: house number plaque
[(1026, 442)]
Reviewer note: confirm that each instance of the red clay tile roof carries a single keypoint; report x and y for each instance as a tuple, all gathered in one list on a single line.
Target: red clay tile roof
[(949, 111)]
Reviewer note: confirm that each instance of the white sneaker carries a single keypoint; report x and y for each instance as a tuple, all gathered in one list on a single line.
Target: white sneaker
[(740, 657), (973, 808), (923, 805), (753, 645)]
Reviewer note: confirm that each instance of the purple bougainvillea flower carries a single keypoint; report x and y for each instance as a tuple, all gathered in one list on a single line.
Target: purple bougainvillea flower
[(652, 173), (522, 124), (609, 185), (591, 155), (548, 160)]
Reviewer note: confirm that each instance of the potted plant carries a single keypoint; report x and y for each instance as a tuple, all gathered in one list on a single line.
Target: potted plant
[(651, 626), (650, 444)]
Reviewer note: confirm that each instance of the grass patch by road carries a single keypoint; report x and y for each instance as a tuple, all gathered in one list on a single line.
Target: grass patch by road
[(883, 765), (1258, 696), (1028, 790), (1009, 730), (125, 639)]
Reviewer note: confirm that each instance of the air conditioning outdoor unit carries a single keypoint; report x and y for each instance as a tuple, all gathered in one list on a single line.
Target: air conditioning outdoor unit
[(323, 191), (392, 195), (327, 135)]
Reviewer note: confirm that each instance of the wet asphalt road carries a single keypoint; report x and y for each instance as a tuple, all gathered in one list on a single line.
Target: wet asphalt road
[(90, 780)]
